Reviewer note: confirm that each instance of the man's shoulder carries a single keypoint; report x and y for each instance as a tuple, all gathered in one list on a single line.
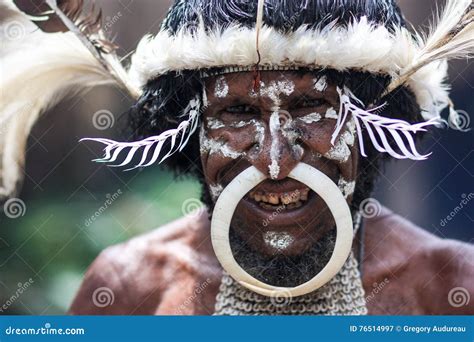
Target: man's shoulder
[(421, 266), (393, 236), (191, 230), (139, 270)]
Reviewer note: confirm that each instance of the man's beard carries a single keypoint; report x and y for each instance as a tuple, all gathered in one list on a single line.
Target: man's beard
[(281, 270)]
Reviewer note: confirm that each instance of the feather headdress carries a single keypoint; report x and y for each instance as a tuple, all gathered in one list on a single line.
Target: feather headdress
[(79, 57)]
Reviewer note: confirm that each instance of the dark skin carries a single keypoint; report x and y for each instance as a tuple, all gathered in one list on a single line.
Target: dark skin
[(305, 224), (173, 270)]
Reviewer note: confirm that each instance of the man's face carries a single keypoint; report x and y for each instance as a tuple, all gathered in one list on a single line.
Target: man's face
[(289, 118)]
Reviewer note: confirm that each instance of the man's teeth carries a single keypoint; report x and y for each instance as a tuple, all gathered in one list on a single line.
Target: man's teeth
[(291, 199)]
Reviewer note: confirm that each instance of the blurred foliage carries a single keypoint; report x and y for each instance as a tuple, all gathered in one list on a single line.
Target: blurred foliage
[(55, 242)]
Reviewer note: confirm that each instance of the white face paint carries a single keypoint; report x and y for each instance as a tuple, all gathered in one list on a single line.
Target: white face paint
[(274, 168), (213, 123), (275, 89), (339, 152), (259, 129), (310, 118), (278, 240), (331, 114), (348, 138), (243, 123), (212, 146), (205, 102), (298, 150), (320, 84), (347, 188), (215, 190), (260, 132), (221, 88)]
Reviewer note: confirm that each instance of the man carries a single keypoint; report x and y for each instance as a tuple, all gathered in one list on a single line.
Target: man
[(282, 232), (173, 269), (285, 111)]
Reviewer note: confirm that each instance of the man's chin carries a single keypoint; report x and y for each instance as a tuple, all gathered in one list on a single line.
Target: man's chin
[(283, 261)]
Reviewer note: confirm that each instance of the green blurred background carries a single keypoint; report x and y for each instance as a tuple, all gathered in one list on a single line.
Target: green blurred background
[(53, 243)]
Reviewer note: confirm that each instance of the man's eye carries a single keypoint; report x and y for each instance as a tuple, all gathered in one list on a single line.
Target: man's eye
[(241, 109), (310, 103)]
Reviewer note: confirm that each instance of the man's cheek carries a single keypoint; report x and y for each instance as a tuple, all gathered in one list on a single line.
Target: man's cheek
[(217, 152), (343, 151)]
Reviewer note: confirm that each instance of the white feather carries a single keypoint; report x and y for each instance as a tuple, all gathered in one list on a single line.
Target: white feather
[(378, 127), (37, 71), (425, 70), (451, 37), (361, 46), (258, 25), (113, 149)]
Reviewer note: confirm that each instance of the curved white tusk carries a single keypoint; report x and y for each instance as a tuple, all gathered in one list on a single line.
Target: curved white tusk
[(319, 183)]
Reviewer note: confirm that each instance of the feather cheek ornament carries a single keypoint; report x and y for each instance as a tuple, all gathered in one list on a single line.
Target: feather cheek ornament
[(185, 129), (379, 128)]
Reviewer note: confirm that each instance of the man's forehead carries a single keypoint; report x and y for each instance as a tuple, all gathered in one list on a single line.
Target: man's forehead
[(282, 83)]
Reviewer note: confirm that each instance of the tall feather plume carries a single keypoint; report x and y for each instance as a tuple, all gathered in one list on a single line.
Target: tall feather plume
[(259, 23), (258, 28), (153, 145), (86, 24), (379, 128), (451, 37), (39, 68)]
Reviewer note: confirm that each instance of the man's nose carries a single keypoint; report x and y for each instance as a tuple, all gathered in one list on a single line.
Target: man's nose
[(278, 153)]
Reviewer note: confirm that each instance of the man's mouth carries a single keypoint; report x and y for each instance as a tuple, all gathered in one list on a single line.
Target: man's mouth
[(280, 200), (281, 217)]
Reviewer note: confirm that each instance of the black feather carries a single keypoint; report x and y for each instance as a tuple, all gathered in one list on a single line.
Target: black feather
[(284, 15)]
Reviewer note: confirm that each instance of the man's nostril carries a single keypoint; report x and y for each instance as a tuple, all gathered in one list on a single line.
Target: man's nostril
[(254, 149), (299, 141)]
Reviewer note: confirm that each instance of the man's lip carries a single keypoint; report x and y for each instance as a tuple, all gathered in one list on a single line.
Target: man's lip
[(279, 217), (280, 186)]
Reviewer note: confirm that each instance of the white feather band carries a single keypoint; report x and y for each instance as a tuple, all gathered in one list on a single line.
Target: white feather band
[(360, 46), (379, 128)]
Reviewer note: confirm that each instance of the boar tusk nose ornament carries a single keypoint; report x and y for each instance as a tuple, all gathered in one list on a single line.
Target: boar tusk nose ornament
[(319, 183)]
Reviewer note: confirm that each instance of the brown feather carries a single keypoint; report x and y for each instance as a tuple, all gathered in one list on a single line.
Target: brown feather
[(85, 21)]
